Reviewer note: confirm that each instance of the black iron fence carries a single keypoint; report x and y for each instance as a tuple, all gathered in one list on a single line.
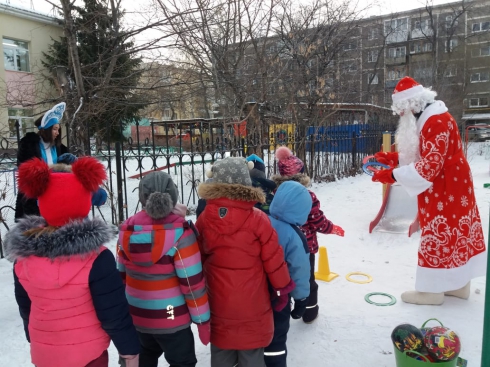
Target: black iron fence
[(187, 149)]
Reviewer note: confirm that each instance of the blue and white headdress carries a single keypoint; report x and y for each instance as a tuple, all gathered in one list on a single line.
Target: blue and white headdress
[(53, 116)]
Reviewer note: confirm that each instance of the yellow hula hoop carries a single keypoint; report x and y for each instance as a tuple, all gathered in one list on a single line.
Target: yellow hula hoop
[(365, 281)]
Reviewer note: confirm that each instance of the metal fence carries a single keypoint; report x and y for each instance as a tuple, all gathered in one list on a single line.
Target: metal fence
[(186, 150)]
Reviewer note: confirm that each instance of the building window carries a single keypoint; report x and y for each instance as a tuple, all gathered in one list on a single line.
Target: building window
[(479, 102), (482, 51), (450, 71), (350, 67), (349, 46), (415, 48), (372, 79), (372, 56), (167, 114), (479, 77), (373, 34), (22, 117), (421, 24), (480, 27), (396, 25), (395, 52), (395, 75), (15, 55), (449, 21), (450, 45), (427, 47)]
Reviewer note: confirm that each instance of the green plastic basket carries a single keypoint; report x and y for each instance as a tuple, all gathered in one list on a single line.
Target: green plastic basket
[(403, 360)]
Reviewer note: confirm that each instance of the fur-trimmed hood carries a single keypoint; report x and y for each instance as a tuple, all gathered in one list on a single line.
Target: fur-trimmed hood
[(75, 238), (299, 177), (209, 191)]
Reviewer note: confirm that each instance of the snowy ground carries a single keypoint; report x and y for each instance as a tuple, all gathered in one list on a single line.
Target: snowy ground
[(349, 332)]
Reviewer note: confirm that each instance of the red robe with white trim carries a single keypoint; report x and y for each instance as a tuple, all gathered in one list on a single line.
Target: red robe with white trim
[(452, 247)]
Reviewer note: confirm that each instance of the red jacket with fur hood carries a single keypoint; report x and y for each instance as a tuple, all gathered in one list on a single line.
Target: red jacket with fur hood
[(240, 252)]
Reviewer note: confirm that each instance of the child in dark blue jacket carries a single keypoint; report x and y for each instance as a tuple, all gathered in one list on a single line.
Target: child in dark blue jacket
[(289, 209)]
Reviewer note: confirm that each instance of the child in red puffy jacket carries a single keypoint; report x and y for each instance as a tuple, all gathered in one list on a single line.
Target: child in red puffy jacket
[(240, 255), (291, 168)]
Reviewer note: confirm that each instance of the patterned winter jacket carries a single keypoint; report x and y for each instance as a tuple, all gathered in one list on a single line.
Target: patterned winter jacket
[(317, 222), (160, 263), (69, 293)]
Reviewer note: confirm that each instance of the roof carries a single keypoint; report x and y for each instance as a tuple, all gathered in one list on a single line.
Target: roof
[(29, 14)]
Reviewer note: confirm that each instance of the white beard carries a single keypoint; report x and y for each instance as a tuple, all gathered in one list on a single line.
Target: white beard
[(407, 139)]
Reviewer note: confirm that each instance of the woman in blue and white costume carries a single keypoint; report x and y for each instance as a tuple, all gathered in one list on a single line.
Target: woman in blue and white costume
[(45, 144)]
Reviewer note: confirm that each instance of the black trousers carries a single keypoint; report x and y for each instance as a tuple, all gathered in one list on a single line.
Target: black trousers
[(177, 348), (276, 353), (312, 307)]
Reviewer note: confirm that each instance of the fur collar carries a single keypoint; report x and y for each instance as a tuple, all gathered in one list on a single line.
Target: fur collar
[(299, 177), (209, 191), (75, 238), (436, 108)]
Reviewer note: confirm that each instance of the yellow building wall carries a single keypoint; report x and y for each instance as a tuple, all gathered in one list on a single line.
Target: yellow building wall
[(37, 30)]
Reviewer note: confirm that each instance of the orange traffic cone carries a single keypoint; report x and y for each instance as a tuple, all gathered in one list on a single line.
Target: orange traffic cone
[(323, 272)]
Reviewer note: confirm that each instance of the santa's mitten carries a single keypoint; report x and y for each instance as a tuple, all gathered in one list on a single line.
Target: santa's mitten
[(388, 158), (384, 176)]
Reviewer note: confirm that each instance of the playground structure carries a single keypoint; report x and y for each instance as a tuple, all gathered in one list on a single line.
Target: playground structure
[(398, 212)]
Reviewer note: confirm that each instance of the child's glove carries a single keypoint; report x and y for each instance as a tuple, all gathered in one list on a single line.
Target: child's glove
[(280, 297), (338, 230), (129, 360), (204, 332), (384, 176), (99, 197), (67, 158), (299, 308), (388, 158)]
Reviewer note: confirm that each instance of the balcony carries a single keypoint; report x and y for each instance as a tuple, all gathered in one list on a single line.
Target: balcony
[(421, 33), (395, 60)]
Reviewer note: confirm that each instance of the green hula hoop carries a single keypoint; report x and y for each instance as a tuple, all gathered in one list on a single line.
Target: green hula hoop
[(368, 296)]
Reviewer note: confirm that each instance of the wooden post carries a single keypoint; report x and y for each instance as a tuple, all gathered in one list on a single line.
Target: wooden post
[(386, 148)]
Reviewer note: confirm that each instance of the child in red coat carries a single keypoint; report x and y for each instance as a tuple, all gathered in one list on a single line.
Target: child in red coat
[(291, 168), (240, 255)]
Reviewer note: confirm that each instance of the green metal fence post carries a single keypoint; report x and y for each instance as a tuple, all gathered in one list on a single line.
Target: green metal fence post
[(485, 350)]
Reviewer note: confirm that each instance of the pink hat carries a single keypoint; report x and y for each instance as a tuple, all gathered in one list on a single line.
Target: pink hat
[(288, 163), (405, 89)]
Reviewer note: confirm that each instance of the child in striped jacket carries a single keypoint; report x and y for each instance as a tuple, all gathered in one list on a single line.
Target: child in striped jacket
[(160, 263), (291, 168)]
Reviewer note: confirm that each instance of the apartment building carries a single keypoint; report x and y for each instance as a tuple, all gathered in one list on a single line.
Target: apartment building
[(25, 35), (445, 46)]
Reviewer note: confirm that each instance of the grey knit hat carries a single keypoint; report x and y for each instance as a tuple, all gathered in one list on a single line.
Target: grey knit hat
[(158, 194), (231, 171)]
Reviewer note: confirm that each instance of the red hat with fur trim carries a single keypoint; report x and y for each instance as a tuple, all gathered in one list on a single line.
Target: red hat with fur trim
[(62, 196), (405, 89)]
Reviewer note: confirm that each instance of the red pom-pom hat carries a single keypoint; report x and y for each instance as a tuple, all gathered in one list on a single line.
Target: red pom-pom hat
[(62, 196), (405, 89)]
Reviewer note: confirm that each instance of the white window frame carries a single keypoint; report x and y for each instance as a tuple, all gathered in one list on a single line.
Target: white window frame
[(349, 46), (450, 72), (400, 51), (372, 56), (449, 21), (350, 67), (427, 47), (479, 102), (480, 77), (415, 48), (450, 45), (9, 44), (375, 79), (473, 54), (396, 25), (480, 27), (372, 34)]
